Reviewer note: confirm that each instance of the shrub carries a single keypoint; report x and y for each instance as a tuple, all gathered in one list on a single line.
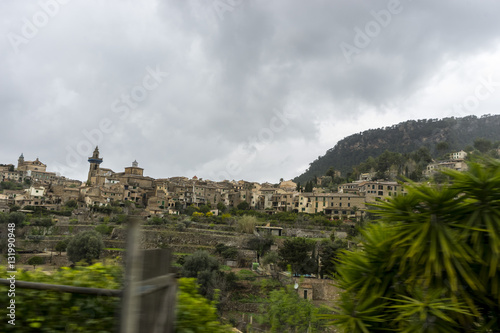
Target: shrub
[(104, 229), (155, 220), (71, 204), (246, 224), (119, 219), (227, 252), (42, 222)]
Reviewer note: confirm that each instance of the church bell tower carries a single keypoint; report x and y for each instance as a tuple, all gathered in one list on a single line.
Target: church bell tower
[(94, 161)]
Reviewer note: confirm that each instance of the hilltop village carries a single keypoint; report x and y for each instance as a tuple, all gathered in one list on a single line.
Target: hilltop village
[(172, 195), (244, 242)]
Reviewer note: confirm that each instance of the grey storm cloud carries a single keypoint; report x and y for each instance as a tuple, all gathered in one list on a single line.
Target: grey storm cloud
[(225, 88)]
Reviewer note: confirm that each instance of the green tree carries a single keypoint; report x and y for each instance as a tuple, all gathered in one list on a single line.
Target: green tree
[(61, 246), (260, 245), (17, 218), (270, 258), (483, 145), (190, 210), (243, 205), (295, 252), (442, 146), (221, 207), (204, 268), (329, 254), (285, 311), (204, 209), (430, 263), (86, 245), (34, 261)]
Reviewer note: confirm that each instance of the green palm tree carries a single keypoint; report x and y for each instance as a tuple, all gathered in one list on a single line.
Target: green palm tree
[(430, 263)]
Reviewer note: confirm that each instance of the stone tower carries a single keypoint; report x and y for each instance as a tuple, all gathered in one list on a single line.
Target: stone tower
[(20, 161), (94, 161), (134, 169)]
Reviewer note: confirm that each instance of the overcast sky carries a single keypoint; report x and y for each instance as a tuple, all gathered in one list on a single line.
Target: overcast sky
[(232, 89)]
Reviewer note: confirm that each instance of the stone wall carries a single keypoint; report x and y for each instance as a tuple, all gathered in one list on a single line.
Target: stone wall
[(323, 290)]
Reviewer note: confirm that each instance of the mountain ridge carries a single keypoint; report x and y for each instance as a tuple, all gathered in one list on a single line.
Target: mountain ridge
[(403, 137)]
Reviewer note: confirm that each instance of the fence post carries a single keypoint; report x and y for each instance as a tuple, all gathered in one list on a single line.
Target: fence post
[(129, 320)]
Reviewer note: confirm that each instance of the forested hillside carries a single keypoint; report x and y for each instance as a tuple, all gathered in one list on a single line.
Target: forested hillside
[(447, 134)]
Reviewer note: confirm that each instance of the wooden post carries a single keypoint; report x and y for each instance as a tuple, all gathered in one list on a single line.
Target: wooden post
[(129, 321), (158, 307)]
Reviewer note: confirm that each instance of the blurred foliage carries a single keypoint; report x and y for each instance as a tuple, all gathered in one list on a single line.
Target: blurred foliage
[(49, 311)]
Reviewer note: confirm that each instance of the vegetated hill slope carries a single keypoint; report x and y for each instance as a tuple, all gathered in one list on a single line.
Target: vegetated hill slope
[(404, 137)]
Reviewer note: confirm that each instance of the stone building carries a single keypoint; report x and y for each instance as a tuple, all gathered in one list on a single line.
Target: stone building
[(25, 166)]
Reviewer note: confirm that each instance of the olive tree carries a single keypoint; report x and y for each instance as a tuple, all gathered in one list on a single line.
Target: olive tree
[(86, 245)]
